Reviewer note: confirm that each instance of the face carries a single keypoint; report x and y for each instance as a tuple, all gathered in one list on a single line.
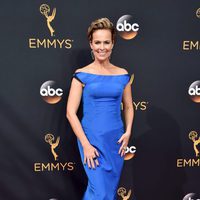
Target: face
[(102, 44)]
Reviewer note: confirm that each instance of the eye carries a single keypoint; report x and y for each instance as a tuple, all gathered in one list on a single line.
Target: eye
[(107, 42), (97, 42)]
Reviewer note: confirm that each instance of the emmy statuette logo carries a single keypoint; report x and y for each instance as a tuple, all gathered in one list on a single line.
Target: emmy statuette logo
[(49, 41), (45, 10), (122, 193), (194, 137), (191, 162), (49, 138), (55, 165)]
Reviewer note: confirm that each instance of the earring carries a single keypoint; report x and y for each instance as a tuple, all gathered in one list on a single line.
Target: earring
[(92, 55)]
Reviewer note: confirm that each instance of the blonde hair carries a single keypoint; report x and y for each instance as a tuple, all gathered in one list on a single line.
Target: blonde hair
[(102, 23)]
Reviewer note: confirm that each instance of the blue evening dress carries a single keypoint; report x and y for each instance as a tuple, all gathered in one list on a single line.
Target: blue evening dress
[(103, 126)]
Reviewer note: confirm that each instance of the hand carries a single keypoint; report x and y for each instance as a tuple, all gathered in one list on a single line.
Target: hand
[(124, 140), (89, 154)]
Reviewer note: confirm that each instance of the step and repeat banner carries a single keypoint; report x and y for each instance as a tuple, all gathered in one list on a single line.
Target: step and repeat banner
[(44, 42)]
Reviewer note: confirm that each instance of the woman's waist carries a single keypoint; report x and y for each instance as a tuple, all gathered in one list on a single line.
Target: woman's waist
[(99, 123)]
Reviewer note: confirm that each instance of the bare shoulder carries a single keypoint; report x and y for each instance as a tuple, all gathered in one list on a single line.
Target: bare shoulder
[(121, 70), (78, 70), (83, 69)]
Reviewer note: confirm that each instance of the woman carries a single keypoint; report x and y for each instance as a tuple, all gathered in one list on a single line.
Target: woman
[(100, 134)]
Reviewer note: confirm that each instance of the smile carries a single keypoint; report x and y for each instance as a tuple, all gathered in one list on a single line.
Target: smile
[(102, 53)]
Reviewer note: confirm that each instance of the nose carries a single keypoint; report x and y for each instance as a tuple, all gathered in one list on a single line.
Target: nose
[(102, 46)]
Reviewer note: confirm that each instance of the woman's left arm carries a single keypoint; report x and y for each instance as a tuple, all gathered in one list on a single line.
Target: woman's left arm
[(128, 115), (128, 107)]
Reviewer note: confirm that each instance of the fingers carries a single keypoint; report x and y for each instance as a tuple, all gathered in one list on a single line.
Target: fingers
[(123, 152), (97, 162), (92, 161), (122, 149), (120, 140), (122, 146), (84, 160), (97, 153), (88, 162)]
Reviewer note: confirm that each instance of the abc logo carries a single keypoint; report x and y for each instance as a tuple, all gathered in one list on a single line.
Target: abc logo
[(194, 91), (50, 92), (190, 196), (127, 27), (198, 13), (131, 149), (130, 152)]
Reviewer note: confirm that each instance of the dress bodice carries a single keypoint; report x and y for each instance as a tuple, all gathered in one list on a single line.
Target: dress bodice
[(102, 96)]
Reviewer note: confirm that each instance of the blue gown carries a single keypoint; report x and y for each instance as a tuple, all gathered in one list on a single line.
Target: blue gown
[(103, 126)]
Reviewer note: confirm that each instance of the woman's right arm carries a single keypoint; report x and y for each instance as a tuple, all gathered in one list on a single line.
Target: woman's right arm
[(73, 103)]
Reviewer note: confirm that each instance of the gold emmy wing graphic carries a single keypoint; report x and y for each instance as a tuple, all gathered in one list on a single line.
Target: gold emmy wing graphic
[(122, 193), (193, 136), (44, 10), (49, 138), (131, 79)]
